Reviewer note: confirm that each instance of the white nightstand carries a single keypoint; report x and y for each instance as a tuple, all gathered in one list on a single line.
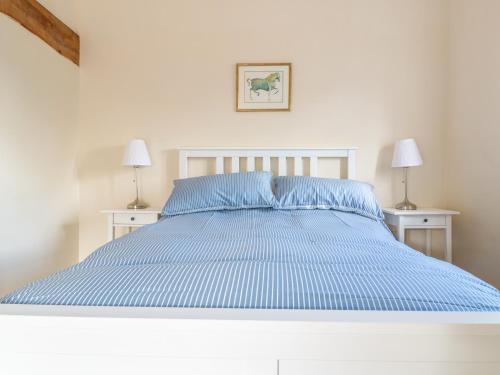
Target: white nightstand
[(424, 218), (130, 219)]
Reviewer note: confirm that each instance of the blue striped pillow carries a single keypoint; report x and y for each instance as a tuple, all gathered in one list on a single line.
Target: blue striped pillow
[(307, 193), (220, 192)]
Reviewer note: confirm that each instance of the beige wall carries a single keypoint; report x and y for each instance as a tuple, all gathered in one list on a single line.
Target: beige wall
[(39, 187), (473, 135), (365, 74)]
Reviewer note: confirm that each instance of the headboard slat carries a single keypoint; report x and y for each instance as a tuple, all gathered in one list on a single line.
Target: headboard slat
[(219, 165), (351, 164), (282, 165), (297, 165), (313, 166), (250, 164), (266, 164), (235, 164)]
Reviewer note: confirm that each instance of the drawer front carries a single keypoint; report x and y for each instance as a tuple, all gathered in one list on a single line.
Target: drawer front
[(135, 218), (301, 367), (425, 220)]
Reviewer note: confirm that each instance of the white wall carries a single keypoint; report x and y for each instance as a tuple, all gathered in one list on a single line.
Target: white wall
[(365, 73), (38, 187), (473, 135)]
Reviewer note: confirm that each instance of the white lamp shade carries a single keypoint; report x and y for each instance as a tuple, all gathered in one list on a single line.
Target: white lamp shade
[(406, 154), (136, 154)]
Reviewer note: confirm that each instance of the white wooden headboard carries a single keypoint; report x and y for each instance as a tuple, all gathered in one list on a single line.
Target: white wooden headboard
[(250, 154)]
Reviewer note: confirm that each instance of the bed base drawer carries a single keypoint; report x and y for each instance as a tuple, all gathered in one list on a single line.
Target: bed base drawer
[(299, 367)]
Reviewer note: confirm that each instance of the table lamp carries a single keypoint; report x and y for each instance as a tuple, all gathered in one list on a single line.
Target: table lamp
[(136, 155), (406, 155)]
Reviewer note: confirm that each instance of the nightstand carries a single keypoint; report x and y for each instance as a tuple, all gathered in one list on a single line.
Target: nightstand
[(424, 218), (130, 219)]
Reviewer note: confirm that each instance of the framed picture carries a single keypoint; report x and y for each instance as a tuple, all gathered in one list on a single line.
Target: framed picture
[(263, 87)]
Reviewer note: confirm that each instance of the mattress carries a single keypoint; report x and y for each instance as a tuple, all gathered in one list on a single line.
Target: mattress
[(263, 259)]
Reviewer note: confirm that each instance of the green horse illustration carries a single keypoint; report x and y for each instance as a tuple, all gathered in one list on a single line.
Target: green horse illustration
[(266, 84)]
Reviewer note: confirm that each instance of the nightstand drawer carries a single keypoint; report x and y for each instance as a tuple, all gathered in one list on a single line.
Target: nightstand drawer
[(425, 220), (135, 218)]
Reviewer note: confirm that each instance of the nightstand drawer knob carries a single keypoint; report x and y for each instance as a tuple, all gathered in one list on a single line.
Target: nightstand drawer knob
[(425, 220), (133, 218)]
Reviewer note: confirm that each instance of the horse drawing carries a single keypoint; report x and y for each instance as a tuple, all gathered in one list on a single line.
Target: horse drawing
[(266, 84)]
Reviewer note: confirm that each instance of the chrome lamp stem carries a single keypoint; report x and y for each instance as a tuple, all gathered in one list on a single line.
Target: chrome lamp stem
[(406, 204), (137, 203)]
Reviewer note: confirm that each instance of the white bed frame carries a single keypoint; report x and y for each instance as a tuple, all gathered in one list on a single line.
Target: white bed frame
[(266, 154), (110, 340)]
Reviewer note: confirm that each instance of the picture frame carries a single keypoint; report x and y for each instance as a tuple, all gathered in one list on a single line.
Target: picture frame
[(263, 87)]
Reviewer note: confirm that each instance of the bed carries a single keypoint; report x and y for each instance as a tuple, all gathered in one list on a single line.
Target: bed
[(258, 290)]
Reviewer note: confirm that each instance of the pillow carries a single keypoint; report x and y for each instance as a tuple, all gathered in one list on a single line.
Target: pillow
[(220, 192), (307, 193)]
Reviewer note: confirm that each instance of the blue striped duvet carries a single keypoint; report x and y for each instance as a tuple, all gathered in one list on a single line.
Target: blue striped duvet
[(264, 259)]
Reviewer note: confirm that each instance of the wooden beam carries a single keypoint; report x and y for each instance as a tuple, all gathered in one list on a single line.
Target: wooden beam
[(37, 19)]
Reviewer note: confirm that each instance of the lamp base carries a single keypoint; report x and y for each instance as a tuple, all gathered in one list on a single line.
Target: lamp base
[(406, 205), (137, 205)]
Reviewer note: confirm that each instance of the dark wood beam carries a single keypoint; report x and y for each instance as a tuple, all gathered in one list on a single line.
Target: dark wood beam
[(37, 19)]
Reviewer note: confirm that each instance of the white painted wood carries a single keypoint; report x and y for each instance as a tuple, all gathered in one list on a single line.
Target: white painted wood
[(219, 165), (313, 166), (250, 163), (401, 233), (266, 163), (122, 217), (261, 340), (282, 166), (111, 228), (351, 164), (428, 242), (286, 150), (207, 314), (301, 367), (266, 154), (449, 252), (235, 164), (297, 165), (425, 218), (149, 210), (132, 365), (135, 218), (183, 163), (419, 212)]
